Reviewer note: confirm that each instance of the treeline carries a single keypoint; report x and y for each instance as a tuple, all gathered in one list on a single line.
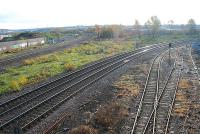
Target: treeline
[(153, 27), (106, 32)]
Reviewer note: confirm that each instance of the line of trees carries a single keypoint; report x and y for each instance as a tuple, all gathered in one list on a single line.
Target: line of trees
[(153, 27)]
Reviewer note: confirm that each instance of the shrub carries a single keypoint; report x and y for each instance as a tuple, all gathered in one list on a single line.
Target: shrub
[(14, 85), (83, 129), (54, 57), (28, 62), (22, 80), (110, 114), (69, 66), (41, 59)]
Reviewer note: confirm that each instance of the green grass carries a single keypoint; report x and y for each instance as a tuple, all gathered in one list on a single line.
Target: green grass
[(45, 66)]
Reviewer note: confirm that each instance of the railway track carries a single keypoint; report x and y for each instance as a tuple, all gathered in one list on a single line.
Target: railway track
[(23, 111), (156, 103), (62, 80)]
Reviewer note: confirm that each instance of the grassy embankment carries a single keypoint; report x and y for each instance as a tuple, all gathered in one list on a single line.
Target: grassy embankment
[(39, 68)]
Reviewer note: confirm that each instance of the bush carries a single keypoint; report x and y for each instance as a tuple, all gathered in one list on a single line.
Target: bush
[(28, 62), (14, 85), (69, 66), (110, 114), (41, 59), (22, 80), (83, 130)]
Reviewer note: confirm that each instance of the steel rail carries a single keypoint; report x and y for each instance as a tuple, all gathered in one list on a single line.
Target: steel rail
[(157, 103), (143, 94), (52, 88), (70, 96), (68, 75), (172, 104), (60, 84)]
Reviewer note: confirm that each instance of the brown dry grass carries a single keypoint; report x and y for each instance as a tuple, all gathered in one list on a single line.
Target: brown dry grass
[(181, 109), (110, 114), (127, 86), (83, 129), (144, 68), (69, 66), (184, 84)]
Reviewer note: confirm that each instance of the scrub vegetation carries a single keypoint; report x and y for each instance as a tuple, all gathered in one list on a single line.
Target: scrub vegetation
[(39, 68)]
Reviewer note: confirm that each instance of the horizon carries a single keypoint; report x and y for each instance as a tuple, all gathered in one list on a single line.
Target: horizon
[(23, 14)]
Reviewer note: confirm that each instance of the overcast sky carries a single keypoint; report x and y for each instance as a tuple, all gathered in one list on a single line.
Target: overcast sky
[(17, 14)]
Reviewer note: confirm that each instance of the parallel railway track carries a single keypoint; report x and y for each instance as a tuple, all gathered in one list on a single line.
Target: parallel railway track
[(23, 111)]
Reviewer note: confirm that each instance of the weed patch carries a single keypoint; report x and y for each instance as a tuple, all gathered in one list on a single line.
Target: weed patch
[(181, 105), (127, 86), (39, 68), (83, 129), (110, 114), (184, 84)]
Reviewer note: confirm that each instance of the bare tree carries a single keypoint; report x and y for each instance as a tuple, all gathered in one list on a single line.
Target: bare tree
[(137, 28), (147, 26), (170, 23), (97, 31), (154, 23), (191, 26)]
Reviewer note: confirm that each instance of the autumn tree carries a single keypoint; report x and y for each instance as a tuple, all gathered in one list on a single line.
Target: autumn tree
[(106, 32)]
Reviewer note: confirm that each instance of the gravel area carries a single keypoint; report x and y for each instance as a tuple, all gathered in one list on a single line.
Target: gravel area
[(185, 116)]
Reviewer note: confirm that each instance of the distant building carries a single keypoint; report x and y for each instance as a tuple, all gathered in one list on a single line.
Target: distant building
[(20, 43)]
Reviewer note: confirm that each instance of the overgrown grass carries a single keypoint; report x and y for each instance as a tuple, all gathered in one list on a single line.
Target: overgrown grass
[(40, 68), (83, 129), (181, 105), (184, 84)]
